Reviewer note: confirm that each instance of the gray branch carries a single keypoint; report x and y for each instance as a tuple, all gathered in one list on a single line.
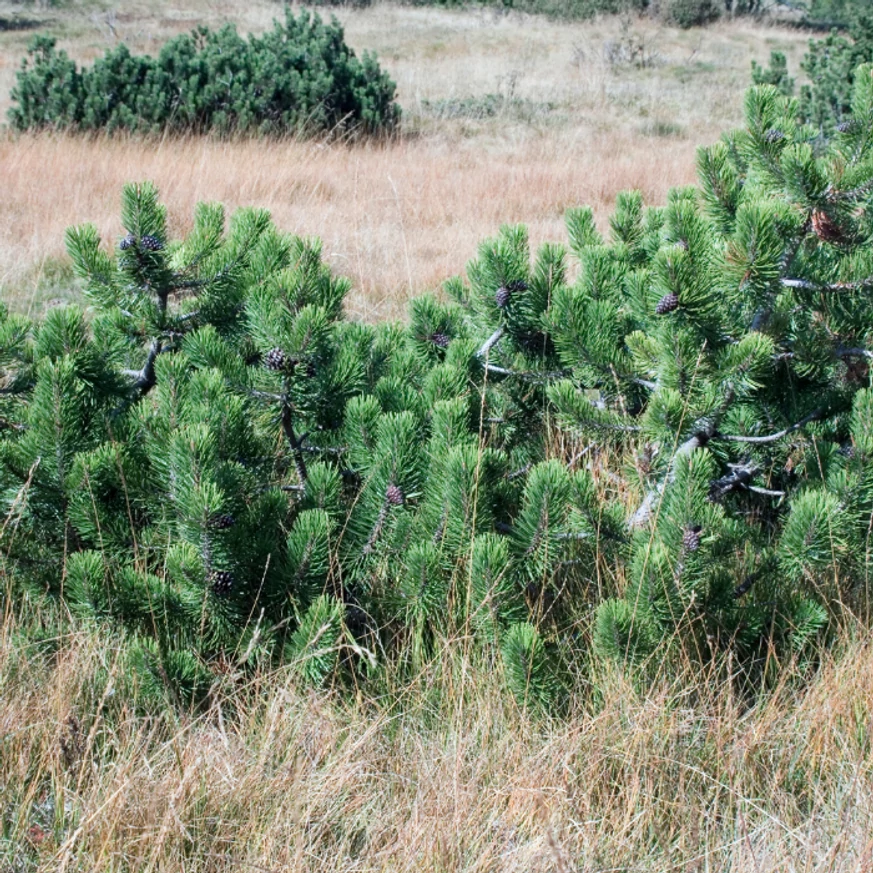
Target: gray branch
[(773, 437), (144, 379), (490, 342), (808, 285), (646, 509)]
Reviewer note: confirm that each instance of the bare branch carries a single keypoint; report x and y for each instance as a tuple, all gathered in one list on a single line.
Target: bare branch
[(144, 379), (765, 491), (808, 285), (773, 437), (490, 342)]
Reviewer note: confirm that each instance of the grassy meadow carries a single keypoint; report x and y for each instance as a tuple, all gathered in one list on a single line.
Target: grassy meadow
[(506, 119)]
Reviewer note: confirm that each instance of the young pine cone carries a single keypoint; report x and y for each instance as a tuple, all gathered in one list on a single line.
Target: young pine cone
[(221, 521), (505, 292), (151, 243), (221, 581), (128, 242), (394, 495), (277, 360), (666, 304), (691, 538)]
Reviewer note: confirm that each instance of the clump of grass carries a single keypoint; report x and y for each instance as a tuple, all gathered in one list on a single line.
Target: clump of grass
[(682, 772), (487, 106)]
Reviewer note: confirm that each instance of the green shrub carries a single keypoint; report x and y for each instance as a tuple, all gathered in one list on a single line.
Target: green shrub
[(776, 74), (830, 64), (299, 77), (667, 455), (690, 13)]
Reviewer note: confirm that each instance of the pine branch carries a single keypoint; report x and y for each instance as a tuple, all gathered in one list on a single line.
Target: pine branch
[(767, 492), (490, 342), (295, 442), (646, 508), (527, 375), (144, 379), (746, 584), (809, 285), (739, 477), (850, 195), (816, 415), (377, 528)]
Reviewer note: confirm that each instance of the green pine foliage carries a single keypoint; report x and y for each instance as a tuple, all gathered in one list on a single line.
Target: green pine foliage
[(830, 64), (655, 444), (298, 78)]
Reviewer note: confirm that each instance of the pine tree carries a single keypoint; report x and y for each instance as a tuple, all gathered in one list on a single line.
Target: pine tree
[(217, 460)]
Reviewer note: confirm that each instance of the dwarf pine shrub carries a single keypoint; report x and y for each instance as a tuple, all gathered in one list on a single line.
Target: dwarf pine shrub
[(664, 453), (831, 65), (300, 78)]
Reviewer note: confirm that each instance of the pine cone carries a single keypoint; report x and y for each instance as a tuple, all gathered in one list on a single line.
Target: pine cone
[(394, 495), (222, 522), (505, 292), (440, 339), (221, 581), (825, 228), (151, 243), (847, 450), (774, 135), (277, 360), (128, 242), (691, 538), (847, 126), (666, 304)]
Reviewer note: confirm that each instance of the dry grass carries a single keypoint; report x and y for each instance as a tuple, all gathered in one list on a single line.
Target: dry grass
[(402, 217), (397, 219), (668, 780)]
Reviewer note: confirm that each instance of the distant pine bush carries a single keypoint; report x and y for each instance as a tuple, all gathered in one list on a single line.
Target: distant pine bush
[(831, 64), (300, 77)]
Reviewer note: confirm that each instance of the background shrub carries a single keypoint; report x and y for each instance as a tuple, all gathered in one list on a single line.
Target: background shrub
[(299, 77), (831, 65)]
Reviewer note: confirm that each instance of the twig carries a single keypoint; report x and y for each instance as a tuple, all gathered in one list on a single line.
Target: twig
[(295, 442), (490, 342), (808, 285), (771, 438)]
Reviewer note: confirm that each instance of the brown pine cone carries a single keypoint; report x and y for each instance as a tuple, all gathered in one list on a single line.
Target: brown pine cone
[(825, 228), (666, 304)]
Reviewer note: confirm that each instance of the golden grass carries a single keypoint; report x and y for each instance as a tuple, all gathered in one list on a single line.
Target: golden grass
[(397, 219), (401, 217), (682, 777)]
